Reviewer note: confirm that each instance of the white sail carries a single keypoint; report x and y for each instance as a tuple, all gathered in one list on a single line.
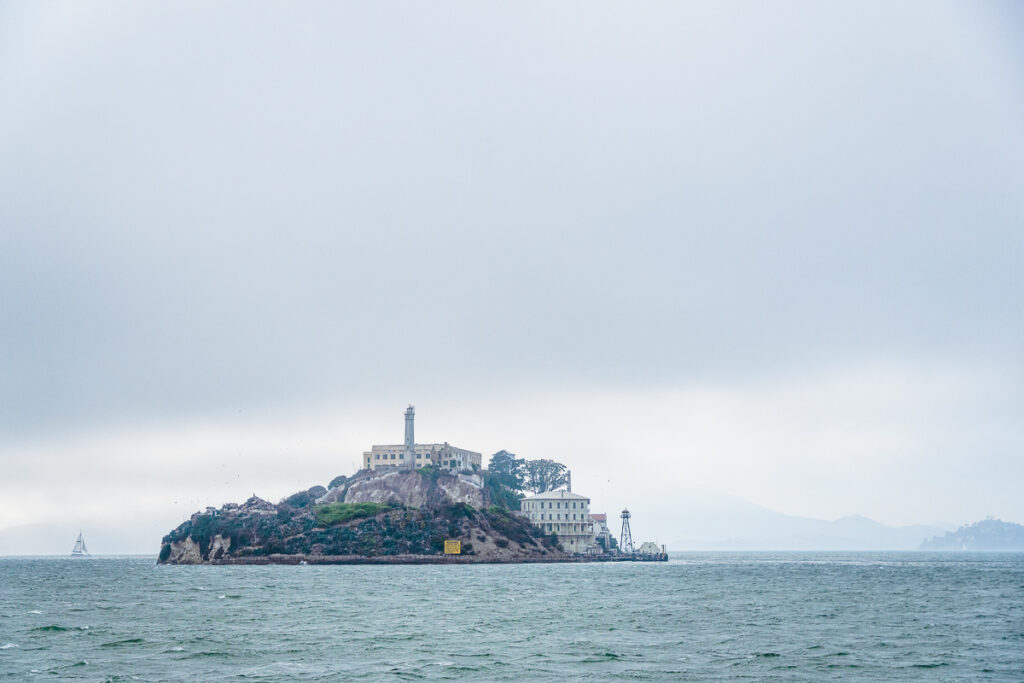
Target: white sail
[(80, 550)]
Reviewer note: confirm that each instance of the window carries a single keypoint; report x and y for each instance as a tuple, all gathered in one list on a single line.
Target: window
[(377, 456), (392, 456)]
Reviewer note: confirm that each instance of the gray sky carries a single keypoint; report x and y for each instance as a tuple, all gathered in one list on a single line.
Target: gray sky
[(772, 251)]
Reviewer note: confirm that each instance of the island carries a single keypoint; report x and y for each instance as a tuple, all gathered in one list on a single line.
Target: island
[(413, 503), (988, 534), (392, 517)]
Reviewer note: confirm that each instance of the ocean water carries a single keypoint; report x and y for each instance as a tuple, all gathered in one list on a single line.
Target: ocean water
[(782, 616)]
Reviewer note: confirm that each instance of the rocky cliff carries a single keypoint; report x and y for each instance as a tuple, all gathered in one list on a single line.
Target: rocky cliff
[(419, 489), (400, 516)]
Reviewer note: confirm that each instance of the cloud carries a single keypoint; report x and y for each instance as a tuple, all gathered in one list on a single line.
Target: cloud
[(278, 209)]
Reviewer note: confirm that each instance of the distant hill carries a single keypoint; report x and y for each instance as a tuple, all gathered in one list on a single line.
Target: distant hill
[(714, 521), (988, 534)]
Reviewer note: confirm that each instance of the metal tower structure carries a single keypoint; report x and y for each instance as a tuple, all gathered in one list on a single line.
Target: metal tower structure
[(626, 537), (410, 439)]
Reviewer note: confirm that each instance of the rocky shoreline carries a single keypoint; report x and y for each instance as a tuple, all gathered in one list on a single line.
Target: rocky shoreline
[(391, 517), (405, 559)]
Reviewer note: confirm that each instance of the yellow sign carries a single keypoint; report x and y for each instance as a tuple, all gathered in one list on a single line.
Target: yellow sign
[(453, 547)]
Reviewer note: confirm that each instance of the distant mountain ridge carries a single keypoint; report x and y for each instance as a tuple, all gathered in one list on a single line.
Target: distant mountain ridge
[(722, 522)]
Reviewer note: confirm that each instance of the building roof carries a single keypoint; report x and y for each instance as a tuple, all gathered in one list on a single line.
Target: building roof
[(602, 517), (557, 495), (401, 446)]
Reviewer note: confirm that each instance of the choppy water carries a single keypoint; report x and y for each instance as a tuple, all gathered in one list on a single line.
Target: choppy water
[(790, 616)]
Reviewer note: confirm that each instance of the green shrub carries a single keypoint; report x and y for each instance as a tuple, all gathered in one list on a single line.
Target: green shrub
[(432, 472), (304, 499), (515, 528), (339, 513), (457, 511)]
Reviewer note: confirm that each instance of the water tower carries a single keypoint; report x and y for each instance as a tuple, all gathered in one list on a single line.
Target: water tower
[(626, 537)]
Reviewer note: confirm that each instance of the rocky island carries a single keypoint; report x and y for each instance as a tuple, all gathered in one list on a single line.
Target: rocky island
[(413, 503), (374, 517), (988, 534)]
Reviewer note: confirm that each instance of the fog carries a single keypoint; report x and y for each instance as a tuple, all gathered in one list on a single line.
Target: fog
[(696, 252)]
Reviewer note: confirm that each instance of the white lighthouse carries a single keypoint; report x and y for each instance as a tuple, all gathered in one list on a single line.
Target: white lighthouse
[(410, 439)]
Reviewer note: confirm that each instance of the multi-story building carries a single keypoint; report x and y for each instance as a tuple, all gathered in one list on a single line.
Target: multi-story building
[(440, 454), (564, 513), (412, 454)]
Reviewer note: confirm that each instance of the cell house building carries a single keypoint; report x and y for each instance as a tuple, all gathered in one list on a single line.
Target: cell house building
[(415, 455)]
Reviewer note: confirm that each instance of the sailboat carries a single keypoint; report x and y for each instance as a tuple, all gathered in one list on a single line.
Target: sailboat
[(79, 549)]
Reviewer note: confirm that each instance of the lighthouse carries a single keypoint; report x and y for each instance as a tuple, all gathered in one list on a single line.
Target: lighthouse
[(410, 439)]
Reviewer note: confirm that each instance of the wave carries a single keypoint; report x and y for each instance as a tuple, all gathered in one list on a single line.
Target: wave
[(602, 657), (123, 643), (211, 653), (56, 628), (7, 646)]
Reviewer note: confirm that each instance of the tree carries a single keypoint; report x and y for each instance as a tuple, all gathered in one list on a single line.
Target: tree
[(544, 475), (507, 470), (518, 474)]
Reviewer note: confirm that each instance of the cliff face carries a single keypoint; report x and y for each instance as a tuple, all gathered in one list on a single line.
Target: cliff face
[(412, 489), (405, 514)]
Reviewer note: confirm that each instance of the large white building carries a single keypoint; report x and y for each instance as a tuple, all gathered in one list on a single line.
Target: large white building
[(412, 454), (564, 513), (440, 454)]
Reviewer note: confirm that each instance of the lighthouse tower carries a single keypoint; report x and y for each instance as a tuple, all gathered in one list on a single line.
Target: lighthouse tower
[(410, 439)]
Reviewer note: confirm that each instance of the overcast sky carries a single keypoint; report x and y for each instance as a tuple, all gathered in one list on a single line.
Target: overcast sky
[(772, 251)]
